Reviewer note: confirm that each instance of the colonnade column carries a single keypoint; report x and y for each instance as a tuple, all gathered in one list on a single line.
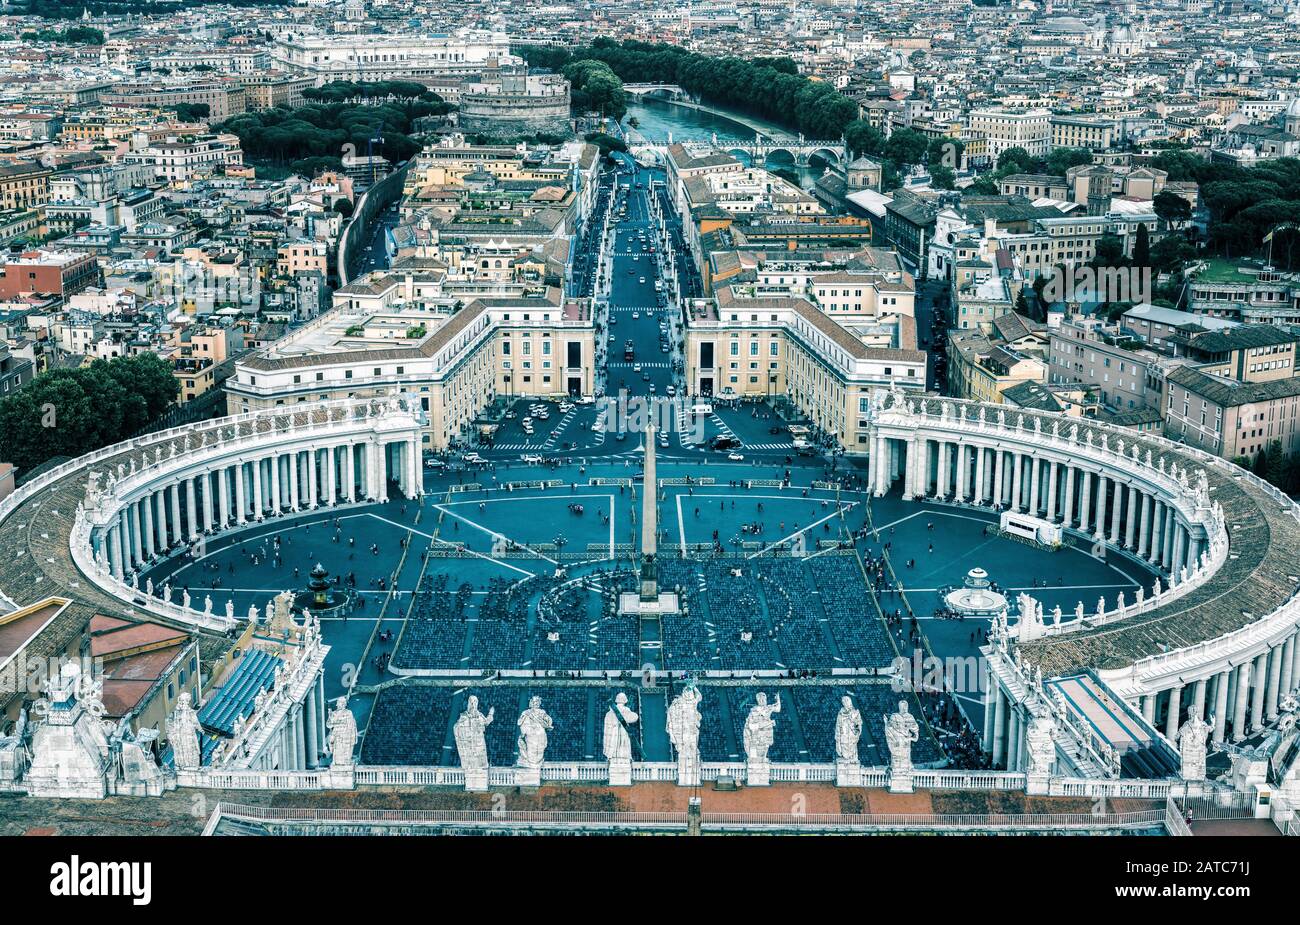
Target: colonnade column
[(1222, 682), (1053, 468), (259, 499), (1274, 681), (963, 472), (1131, 521), (1102, 484), (207, 501)]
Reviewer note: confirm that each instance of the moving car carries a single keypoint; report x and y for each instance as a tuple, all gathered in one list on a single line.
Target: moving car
[(531, 458), (736, 457)]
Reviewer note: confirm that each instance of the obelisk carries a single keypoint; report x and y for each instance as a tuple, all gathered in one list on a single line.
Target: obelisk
[(649, 521)]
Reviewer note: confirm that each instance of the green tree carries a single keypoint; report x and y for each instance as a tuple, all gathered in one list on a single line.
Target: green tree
[(1142, 247), (907, 147), (861, 137), (1171, 208), (1062, 159), (1015, 160)]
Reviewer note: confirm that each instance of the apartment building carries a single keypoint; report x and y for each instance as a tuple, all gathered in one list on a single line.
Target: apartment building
[(1232, 419), (389, 335), (746, 346), (1013, 128), (23, 185), (54, 272), (1085, 132)]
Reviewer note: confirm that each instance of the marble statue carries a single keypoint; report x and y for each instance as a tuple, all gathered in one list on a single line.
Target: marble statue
[(207, 605), (1156, 587), (281, 611), (252, 614), (14, 755), (183, 734), (901, 732), (617, 740), (230, 609), (1191, 747), (470, 733), (760, 728), (1101, 606), (342, 737), (1056, 615), (148, 585), (533, 725), (1041, 746), (848, 731), (684, 734)]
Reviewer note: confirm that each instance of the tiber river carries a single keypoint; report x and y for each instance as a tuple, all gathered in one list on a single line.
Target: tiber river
[(659, 118)]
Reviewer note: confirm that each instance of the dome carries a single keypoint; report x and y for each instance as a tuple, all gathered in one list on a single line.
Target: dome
[(1293, 109)]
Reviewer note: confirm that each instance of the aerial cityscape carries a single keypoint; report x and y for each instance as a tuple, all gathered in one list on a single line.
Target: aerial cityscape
[(685, 418)]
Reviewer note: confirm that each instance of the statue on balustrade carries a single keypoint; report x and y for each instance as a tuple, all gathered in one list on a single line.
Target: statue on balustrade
[(183, 734), (760, 728), (1191, 747), (617, 739), (14, 753), (1040, 744), (684, 733), (848, 731), (901, 733), (342, 737), (470, 733), (533, 726)]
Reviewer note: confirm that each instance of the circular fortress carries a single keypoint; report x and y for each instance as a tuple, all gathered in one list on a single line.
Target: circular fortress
[(514, 102)]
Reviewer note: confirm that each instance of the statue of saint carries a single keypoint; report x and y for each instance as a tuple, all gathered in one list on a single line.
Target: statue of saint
[(617, 738), (684, 733), (183, 734), (848, 730), (1042, 748), (470, 733), (1191, 747), (342, 734), (901, 732), (760, 728), (533, 725)]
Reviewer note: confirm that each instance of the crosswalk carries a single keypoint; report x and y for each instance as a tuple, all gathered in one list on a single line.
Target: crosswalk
[(559, 428), (648, 364), (769, 446)]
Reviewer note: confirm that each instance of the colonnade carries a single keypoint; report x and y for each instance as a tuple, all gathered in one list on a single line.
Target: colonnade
[(205, 498), (1111, 507), (1236, 701), (300, 742)]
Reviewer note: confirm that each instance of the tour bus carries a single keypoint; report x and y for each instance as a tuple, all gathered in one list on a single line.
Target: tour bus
[(628, 352)]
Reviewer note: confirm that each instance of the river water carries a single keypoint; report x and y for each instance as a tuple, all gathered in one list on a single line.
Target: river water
[(658, 120)]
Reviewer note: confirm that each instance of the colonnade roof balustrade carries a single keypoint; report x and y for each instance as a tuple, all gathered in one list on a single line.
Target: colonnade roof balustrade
[(1256, 580)]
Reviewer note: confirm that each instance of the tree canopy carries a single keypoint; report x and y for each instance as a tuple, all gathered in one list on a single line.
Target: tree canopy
[(769, 88), (69, 412)]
